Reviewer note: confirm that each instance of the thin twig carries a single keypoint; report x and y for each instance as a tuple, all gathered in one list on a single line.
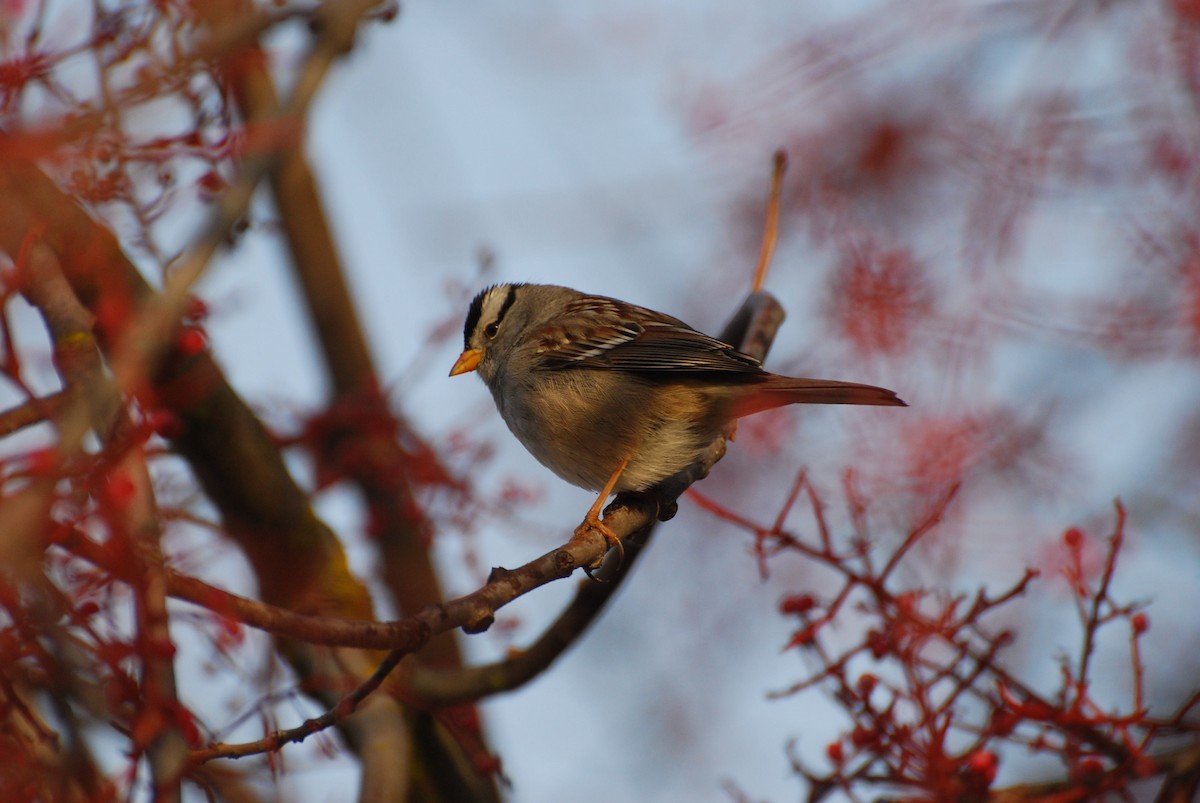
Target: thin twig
[(1099, 598), (32, 412), (347, 706), (771, 226)]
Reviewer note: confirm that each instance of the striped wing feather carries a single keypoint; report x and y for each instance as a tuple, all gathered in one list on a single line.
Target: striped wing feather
[(603, 333)]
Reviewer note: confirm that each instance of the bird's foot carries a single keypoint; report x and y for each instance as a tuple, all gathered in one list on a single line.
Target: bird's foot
[(591, 523)]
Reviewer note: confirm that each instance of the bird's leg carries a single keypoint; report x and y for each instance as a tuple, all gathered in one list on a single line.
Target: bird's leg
[(592, 519)]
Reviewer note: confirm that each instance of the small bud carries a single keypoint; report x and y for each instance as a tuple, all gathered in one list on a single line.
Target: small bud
[(797, 604), (86, 610), (187, 726), (801, 638), (1144, 767), (164, 423), (211, 183), (1003, 722), (160, 647), (389, 12), (197, 310), (863, 736)]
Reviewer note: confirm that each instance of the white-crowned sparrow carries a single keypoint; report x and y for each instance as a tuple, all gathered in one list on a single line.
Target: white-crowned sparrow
[(610, 395)]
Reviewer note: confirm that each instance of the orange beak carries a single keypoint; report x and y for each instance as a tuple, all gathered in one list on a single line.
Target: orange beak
[(467, 361)]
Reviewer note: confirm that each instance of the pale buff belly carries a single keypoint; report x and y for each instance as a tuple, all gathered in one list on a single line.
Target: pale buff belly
[(582, 431)]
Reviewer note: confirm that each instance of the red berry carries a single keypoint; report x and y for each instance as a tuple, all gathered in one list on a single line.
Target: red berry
[(834, 751), (1073, 537), (983, 763), (119, 489), (1140, 622), (192, 341)]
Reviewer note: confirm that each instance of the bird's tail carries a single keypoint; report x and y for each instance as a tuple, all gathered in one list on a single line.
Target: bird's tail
[(778, 391)]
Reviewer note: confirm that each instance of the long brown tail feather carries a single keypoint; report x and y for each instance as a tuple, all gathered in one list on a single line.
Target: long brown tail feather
[(780, 390)]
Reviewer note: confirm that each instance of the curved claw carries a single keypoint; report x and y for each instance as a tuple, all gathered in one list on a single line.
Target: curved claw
[(593, 522), (592, 519)]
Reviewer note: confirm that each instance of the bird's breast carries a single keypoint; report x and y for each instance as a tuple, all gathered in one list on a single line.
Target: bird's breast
[(582, 424)]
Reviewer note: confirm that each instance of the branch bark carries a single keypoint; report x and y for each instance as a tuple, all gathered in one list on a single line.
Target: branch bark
[(360, 421), (297, 559)]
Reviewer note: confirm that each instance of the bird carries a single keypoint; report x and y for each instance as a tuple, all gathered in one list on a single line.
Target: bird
[(614, 397)]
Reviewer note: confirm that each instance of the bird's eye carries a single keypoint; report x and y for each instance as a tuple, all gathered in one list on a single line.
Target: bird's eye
[(491, 329)]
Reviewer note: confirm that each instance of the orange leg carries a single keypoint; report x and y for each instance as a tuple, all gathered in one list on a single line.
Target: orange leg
[(592, 519)]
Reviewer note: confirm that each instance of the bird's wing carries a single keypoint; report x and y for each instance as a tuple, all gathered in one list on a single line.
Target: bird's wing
[(603, 333)]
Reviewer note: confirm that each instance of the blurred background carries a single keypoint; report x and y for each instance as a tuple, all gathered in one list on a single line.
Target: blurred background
[(990, 208)]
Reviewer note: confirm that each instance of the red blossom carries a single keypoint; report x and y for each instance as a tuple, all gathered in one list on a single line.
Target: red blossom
[(880, 297), (16, 72), (1187, 10)]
